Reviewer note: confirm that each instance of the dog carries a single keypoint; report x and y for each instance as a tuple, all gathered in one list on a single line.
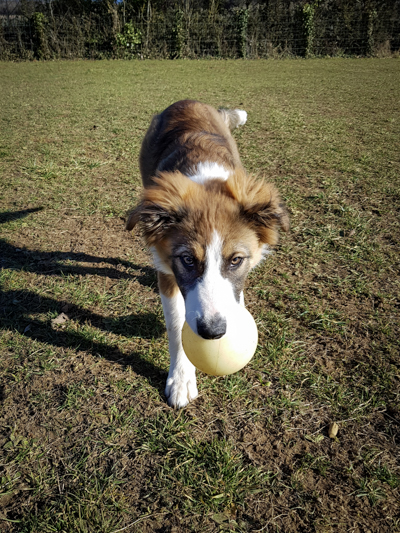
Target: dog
[(206, 222)]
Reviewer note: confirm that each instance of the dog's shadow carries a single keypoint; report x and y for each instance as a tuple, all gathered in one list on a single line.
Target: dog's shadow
[(17, 305)]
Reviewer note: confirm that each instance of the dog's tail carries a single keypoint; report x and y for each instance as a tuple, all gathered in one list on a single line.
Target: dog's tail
[(233, 118)]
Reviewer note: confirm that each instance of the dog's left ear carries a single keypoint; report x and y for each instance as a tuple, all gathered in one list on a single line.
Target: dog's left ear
[(262, 207)]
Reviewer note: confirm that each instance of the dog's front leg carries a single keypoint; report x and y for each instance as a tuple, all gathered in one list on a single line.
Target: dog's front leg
[(181, 385)]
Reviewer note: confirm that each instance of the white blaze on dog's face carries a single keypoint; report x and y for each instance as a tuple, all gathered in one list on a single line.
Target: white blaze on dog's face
[(215, 295)]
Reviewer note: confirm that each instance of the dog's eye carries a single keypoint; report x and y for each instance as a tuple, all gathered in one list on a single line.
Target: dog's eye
[(236, 261), (187, 260)]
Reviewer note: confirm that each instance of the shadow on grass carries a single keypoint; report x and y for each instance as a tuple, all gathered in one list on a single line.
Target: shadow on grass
[(50, 264), (10, 216), (58, 263), (15, 305)]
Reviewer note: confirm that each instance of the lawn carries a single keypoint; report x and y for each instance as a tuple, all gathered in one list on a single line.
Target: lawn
[(88, 443)]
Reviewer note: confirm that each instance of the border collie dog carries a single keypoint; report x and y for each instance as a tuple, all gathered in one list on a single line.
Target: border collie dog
[(206, 222)]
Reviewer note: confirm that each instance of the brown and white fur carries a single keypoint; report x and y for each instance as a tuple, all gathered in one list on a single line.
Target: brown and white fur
[(207, 224)]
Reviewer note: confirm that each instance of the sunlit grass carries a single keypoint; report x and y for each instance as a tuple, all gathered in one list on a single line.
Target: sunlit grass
[(88, 442)]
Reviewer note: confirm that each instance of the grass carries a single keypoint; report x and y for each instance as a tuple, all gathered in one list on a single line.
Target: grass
[(88, 443)]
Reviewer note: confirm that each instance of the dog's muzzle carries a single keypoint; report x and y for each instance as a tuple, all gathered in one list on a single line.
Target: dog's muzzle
[(212, 328)]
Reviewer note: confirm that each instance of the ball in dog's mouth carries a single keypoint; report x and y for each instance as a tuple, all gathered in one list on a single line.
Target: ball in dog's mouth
[(230, 353)]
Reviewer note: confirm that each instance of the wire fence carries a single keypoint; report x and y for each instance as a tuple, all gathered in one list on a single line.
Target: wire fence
[(274, 28)]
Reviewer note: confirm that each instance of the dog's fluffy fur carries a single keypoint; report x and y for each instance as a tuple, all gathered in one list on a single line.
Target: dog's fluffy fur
[(207, 223)]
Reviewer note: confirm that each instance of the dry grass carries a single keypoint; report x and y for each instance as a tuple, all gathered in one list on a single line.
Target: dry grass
[(88, 442)]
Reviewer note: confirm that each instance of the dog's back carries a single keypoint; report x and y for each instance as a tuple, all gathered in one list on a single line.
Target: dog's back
[(190, 136)]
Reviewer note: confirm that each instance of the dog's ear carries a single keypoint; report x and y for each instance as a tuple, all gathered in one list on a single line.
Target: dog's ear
[(133, 217), (261, 206), (161, 207), (268, 212), (155, 219)]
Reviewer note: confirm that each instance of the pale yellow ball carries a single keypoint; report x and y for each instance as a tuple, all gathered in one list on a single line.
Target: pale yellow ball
[(220, 357)]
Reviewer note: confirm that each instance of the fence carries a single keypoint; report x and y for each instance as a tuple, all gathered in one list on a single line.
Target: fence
[(273, 28)]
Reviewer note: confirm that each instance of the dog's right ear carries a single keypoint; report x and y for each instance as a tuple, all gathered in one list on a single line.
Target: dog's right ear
[(133, 218), (162, 206), (154, 219)]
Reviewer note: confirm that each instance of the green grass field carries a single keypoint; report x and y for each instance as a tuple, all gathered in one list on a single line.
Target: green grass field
[(88, 443)]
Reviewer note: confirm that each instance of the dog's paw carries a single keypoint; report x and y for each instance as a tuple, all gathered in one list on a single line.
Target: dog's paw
[(180, 390)]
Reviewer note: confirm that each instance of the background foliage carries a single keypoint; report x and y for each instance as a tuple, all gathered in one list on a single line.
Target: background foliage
[(187, 29)]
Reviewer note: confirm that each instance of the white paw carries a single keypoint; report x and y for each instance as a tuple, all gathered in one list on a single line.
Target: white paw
[(180, 390)]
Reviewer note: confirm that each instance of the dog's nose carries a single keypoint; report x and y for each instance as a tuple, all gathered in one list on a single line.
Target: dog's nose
[(212, 328)]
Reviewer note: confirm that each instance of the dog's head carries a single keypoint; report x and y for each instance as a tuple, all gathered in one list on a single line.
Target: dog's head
[(209, 237)]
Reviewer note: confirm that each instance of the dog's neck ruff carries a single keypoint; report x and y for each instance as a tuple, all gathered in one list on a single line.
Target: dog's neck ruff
[(209, 171)]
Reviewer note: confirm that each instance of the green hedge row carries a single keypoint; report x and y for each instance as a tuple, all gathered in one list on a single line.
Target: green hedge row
[(269, 29)]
